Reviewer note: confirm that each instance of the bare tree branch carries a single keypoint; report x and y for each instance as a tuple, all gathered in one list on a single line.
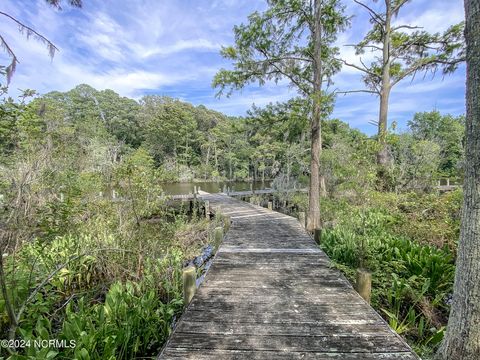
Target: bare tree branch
[(366, 46), (357, 91), (373, 13), (10, 69), (399, 5), (52, 48), (410, 27), (29, 32), (365, 70)]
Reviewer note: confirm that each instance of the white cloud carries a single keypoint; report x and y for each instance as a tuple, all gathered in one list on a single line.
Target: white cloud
[(181, 45), (171, 47), (434, 18)]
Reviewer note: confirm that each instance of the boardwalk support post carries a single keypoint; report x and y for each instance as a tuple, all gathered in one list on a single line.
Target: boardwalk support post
[(226, 223), (364, 284), (189, 276), (270, 205), (317, 235), (218, 234), (301, 218), (207, 209)]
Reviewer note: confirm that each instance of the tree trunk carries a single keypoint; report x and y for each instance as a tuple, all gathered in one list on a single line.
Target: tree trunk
[(462, 339), (313, 215), (383, 156), (323, 187), (8, 305), (207, 162)]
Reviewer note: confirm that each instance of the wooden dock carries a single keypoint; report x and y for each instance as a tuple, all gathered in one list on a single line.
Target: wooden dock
[(271, 293), (238, 193)]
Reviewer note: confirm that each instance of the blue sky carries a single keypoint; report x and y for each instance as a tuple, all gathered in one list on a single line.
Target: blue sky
[(171, 47)]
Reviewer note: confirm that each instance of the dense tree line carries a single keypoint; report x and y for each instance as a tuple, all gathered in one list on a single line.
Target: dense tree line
[(189, 142)]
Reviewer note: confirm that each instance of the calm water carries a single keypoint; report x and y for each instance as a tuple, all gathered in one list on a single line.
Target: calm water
[(212, 187)]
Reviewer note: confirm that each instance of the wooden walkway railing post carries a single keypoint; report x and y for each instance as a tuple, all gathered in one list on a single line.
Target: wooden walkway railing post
[(364, 284), (189, 277), (301, 218), (218, 234), (207, 209)]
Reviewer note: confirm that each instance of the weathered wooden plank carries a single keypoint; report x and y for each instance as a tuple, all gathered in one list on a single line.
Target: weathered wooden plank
[(283, 306), (252, 354), (288, 316), (284, 284), (288, 343), (211, 294), (276, 275), (297, 292), (221, 328), (276, 267), (265, 257)]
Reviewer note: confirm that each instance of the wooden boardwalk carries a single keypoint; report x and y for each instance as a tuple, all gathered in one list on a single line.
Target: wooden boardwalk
[(238, 193), (272, 294)]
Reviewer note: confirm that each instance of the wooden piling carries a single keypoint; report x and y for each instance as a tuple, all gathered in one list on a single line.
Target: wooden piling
[(207, 209), (270, 205), (226, 223), (301, 218), (364, 284), (317, 235), (218, 234), (189, 276)]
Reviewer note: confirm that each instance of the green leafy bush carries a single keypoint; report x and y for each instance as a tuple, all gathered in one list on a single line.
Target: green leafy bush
[(411, 281)]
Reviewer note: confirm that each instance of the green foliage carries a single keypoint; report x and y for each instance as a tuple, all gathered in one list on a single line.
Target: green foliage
[(144, 323), (278, 43), (446, 131), (411, 281), (64, 289), (409, 52), (90, 251), (417, 163)]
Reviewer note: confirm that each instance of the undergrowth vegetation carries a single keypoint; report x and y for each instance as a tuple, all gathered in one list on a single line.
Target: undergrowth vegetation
[(91, 249), (408, 242)]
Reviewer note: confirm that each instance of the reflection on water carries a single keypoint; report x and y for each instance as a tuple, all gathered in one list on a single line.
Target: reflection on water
[(212, 187)]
